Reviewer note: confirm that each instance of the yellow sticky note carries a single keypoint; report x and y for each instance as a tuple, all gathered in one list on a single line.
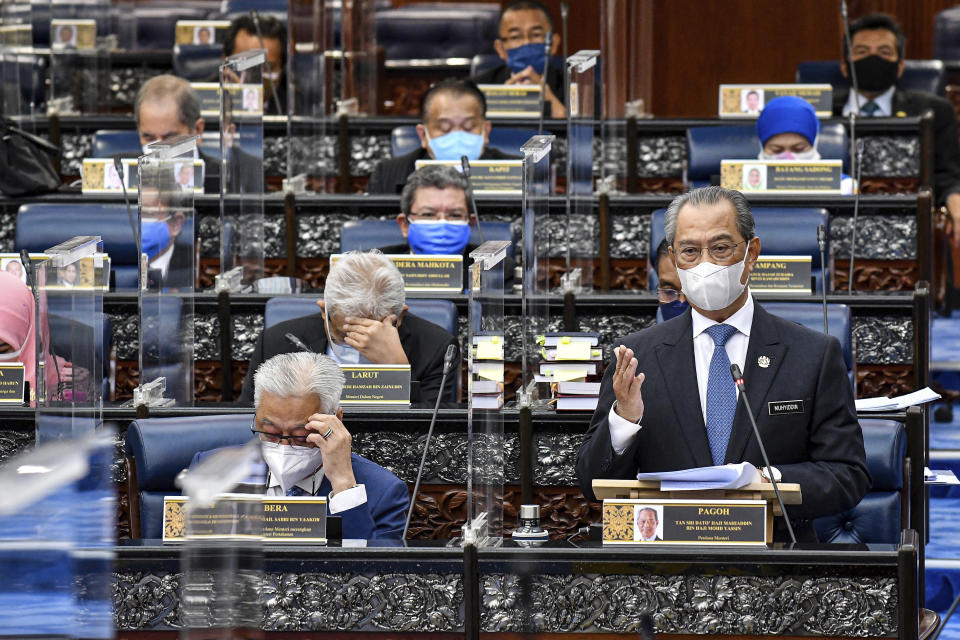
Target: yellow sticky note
[(566, 375), (573, 350), (490, 349), (490, 371)]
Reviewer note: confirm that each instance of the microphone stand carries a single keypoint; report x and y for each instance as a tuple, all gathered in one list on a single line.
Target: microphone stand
[(822, 241), (118, 165), (465, 165), (856, 211), (298, 343), (742, 387)]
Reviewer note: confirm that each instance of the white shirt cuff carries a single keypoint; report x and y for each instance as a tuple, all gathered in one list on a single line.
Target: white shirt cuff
[(347, 499), (622, 430)]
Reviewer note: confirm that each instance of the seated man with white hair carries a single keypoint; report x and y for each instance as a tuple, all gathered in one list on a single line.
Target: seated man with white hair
[(306, 448), (363, 319)]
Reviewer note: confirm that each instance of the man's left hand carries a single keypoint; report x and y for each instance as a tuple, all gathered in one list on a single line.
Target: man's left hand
[(336, 449), (378, 341)]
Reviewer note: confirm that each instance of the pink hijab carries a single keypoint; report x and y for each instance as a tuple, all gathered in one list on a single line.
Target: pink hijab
[(17, 322)]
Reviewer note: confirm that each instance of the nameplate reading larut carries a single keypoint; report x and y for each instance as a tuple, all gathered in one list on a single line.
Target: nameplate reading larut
[(376, 384), (686, 522), (300, 519)]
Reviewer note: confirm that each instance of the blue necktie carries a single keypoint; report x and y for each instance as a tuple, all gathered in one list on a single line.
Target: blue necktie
[(721, 393), (296, 491), (869, 109)]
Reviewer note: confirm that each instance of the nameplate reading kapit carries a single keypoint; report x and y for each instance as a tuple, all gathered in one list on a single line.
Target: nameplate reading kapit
[(782, 176), (11, 383), (426, 272), (488, 177), (686, 522), (781, 274), (512, 100), (376, 384), (300, 519), (748, 100)]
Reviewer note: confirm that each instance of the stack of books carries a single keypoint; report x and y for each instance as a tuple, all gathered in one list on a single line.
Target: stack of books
[(486, 385), (571, 362)]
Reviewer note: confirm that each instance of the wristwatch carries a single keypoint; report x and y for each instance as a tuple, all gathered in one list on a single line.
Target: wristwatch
[(776, 473)]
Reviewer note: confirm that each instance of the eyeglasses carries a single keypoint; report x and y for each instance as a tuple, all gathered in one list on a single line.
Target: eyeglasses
[(517, 39), (719, 251), (269, 436), (454, 215), (665, 295)]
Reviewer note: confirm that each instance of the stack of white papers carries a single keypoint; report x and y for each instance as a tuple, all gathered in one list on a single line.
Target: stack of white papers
[(728, 476), (900, 402)]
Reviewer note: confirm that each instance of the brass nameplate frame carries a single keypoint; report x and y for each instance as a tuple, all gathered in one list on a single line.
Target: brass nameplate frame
[(685, 522), (512, 100), (99, 175), (782, 176), (376, 384), (746, 101), (441, 273), (70, 35), (298, 519), (488, 177), (202, 32), (781, 274), (11, 383)]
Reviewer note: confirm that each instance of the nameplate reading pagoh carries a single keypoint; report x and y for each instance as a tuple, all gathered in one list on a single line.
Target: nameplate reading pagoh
[(376, 384), (426, 272), (488, 177), (237, 516), (686, 522)]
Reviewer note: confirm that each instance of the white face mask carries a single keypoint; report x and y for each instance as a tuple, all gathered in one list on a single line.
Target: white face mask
[(810, 154), (290, 464), (712, 287), (13, 356)]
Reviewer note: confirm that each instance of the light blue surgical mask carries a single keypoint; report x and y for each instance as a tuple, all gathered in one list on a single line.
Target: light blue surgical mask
[(342, 353), (154, 237), (454, 145), (438, 237), (533, 54)]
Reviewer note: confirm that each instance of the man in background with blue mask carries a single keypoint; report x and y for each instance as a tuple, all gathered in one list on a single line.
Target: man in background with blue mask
[(524, 26), (453, 124), (670, 300), (689, 413), (363, 319)]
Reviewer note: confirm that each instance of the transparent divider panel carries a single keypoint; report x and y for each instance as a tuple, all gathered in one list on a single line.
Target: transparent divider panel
[(167, 275), (582, 230), (358, 89), (537, 251), (21, 69), (311, 157), (241, 170), (79, 57), (485, 441), (72, 339)]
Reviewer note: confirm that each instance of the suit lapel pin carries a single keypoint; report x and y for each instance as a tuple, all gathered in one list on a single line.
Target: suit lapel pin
[(763, 362)]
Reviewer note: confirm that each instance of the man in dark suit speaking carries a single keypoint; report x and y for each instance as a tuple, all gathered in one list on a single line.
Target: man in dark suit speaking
[(688, 414)]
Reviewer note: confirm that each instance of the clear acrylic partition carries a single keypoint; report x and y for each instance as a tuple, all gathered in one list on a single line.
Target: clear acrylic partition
[(21, 68), (485, 441), (223, 572), (57, 531), (241, 170), (310, 162), (359, 58), (167, 276), (72, 340), (79, 57), (581, 230), (613, 130), (535, 310)]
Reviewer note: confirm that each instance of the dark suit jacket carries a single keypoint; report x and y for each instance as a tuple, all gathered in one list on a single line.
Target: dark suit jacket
[(180, 273), (500, 75), (946, 148), (381, 516), (820, 448), (509, 264), (390, 175), (424, 343)]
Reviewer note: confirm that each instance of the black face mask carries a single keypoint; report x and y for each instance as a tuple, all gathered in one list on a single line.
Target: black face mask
[(875, 73)]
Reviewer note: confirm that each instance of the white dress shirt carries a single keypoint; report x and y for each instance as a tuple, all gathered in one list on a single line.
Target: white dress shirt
[(884, 101), (343, 501), (622, 431), (162, 261)]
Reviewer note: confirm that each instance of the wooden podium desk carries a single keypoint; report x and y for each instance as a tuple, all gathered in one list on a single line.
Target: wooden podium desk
[(561, 589)]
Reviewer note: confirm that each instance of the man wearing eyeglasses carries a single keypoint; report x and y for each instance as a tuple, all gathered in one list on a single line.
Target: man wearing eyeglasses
[(307, 449), (688, 413)]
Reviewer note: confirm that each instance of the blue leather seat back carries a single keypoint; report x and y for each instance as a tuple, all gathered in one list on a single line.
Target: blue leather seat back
[(440, 312), (482, 62), (437, 30), (946, 35), (156, 21), (110, 142), (876, 519), (364, 235), (919, 75), (197, 62), (41, 226), (810, 315), (404, 140), (162, 447), (275, 8), (708, 146)]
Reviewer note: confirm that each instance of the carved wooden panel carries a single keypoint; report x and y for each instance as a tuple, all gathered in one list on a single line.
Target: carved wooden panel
[(403, 89), (660, 185), (206, 376), (123, 511), (628, 274), (884, 380), (909, 184), (876, 275)]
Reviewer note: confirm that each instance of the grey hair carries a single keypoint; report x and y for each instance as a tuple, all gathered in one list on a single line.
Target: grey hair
[(437, 176), (168, 87), (364, 285), (705, 196), (290, 375)]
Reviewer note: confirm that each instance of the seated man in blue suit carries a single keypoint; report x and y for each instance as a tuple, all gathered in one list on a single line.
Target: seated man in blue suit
[(689, 414), (306, 448)]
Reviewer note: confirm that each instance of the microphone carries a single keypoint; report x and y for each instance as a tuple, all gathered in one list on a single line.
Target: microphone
[(118, 165), (543, 79), (856, 210), (822, 242), (465, 165), (742, 387), (448, 359), (28, 268), (298, 343), (848, 56), (255, 16)]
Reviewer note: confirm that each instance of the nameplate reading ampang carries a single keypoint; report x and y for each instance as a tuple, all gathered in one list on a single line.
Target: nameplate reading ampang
[(376, 384), (512, 100), (782, 176), (781, 274), (488, 177), (442, 273)]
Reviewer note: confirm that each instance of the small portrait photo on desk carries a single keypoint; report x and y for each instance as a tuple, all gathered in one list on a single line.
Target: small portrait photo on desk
[(14, 267), (647, 527), (184, 173), (251, 100), (65, 37), (751, 101), (754, 177), (203, 35)]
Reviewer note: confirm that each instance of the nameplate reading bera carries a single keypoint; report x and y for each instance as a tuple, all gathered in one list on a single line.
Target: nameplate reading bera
[(380, 384), (298, 519), (688, 522), (488, 177), (427, 272)]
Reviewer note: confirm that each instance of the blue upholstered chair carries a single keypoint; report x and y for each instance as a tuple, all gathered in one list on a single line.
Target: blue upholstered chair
[(782, 230), (920, 75), (110, 142), (157, 449), (707, 146), (437, 31), (404, 139), (363, 235), (946, 35), (810, 315), (197, 62)]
